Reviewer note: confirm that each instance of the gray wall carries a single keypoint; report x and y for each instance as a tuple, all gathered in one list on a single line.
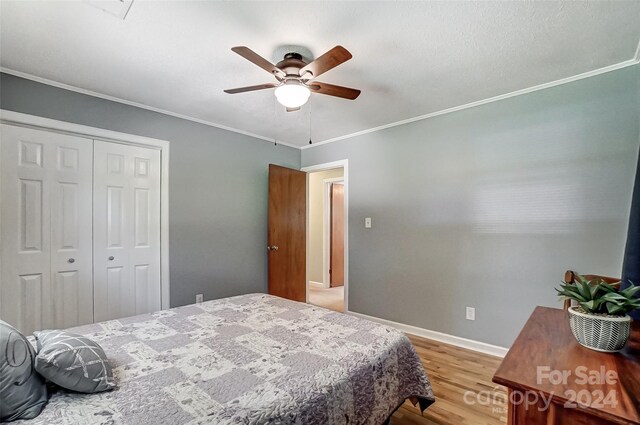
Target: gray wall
[(484, 207), (218, 187), (487, 207)]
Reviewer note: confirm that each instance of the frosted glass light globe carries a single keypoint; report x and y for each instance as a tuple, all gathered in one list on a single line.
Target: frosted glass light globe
[(292, 95)]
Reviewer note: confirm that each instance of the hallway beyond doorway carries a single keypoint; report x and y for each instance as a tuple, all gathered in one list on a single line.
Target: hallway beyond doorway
[(331, 298)]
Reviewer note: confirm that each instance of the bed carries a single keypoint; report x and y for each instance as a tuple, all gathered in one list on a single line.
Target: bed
[(251, 359)]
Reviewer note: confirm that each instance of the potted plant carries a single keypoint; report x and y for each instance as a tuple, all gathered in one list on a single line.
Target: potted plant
[(600, 320)]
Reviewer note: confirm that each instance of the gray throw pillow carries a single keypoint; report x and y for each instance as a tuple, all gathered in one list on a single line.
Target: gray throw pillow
[(73, 362), (23, 393)]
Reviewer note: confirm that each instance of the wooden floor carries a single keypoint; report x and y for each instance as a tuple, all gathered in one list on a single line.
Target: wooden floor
[(453, 372), (331, 298)]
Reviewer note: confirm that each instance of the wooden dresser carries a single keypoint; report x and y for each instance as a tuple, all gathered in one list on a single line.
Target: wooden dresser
[(553, 380)]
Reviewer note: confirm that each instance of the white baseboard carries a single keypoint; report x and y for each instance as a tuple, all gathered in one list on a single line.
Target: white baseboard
[(469, 344), (317, 284)]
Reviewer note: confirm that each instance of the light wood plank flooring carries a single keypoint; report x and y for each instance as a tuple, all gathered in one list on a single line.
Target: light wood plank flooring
[(331, 298), (454, 371)]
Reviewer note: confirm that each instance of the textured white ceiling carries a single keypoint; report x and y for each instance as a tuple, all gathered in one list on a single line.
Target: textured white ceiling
[(409, 58)]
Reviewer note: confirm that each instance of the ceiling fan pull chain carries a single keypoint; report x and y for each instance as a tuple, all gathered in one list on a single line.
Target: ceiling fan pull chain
[(275, 120), (310, 108)]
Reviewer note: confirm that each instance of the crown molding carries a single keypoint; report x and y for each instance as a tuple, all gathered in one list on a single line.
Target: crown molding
[(634, 61), (532, 89), (138, 105)]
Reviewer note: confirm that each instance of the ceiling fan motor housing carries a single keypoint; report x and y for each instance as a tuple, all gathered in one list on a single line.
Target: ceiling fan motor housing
[(291, 65), (293, 55)]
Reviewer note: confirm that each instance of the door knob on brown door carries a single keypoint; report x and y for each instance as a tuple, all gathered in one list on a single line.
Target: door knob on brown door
[(272, 248), (111, 258)]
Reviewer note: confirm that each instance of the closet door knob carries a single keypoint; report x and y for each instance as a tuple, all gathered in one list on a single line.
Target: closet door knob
[(71, 260), (111, 258)]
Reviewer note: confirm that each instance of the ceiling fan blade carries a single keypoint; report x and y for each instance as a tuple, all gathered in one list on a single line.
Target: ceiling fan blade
[(251, 88), (255, 58), (331, 90), (329, 60)]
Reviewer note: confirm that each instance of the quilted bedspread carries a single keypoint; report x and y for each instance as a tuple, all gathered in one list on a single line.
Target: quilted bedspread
[(251, 359)]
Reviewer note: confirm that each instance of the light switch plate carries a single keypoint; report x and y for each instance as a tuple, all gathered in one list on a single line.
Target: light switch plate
[(367, 223), (471, 313)]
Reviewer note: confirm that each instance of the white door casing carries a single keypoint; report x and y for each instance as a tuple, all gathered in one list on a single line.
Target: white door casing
[(126, 223), (344, 164), (45, 229)]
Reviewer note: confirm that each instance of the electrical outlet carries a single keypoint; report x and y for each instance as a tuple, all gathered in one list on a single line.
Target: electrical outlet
[(471, 313), (367, 223), (199, 298)]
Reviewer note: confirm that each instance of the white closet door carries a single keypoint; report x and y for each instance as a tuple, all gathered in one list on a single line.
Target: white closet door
[(126, 230), (45, 229)]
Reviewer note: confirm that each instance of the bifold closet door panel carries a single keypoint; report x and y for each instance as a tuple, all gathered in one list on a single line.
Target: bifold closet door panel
[(45, 229), (126, 230)]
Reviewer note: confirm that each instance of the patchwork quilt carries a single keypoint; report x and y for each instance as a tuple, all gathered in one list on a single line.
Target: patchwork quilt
[(251, 359)]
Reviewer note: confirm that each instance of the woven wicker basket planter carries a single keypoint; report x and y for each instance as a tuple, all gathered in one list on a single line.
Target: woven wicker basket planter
[(599, 332)]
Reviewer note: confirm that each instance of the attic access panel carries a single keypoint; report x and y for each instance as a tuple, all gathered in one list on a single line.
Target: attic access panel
[(117, 8)]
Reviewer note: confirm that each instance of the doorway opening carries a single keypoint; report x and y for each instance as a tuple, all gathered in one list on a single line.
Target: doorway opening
[(327, 235)]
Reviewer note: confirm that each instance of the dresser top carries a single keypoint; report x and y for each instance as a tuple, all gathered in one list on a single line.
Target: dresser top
[(546, 359)]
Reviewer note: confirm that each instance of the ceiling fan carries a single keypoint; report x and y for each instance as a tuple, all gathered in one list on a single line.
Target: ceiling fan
[(296, 78)]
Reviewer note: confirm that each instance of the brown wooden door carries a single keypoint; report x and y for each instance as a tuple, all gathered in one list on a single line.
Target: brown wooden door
[(336, 267), (287, 242)]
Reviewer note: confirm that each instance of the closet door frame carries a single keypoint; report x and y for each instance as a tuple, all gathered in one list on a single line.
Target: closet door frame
[(94, 133)]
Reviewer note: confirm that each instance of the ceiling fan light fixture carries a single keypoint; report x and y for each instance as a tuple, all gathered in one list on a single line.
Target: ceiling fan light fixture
[(292, 94)]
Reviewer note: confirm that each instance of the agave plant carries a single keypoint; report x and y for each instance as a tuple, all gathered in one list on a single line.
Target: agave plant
[(598, 297)]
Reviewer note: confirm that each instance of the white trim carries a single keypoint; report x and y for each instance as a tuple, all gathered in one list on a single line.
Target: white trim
[(32, 121), (139, 105), (317, 284), (587, 74), (469, 344), (306, 229), (344, 164), (326, 228), (326, 166), (634, 61), (326, 240)]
